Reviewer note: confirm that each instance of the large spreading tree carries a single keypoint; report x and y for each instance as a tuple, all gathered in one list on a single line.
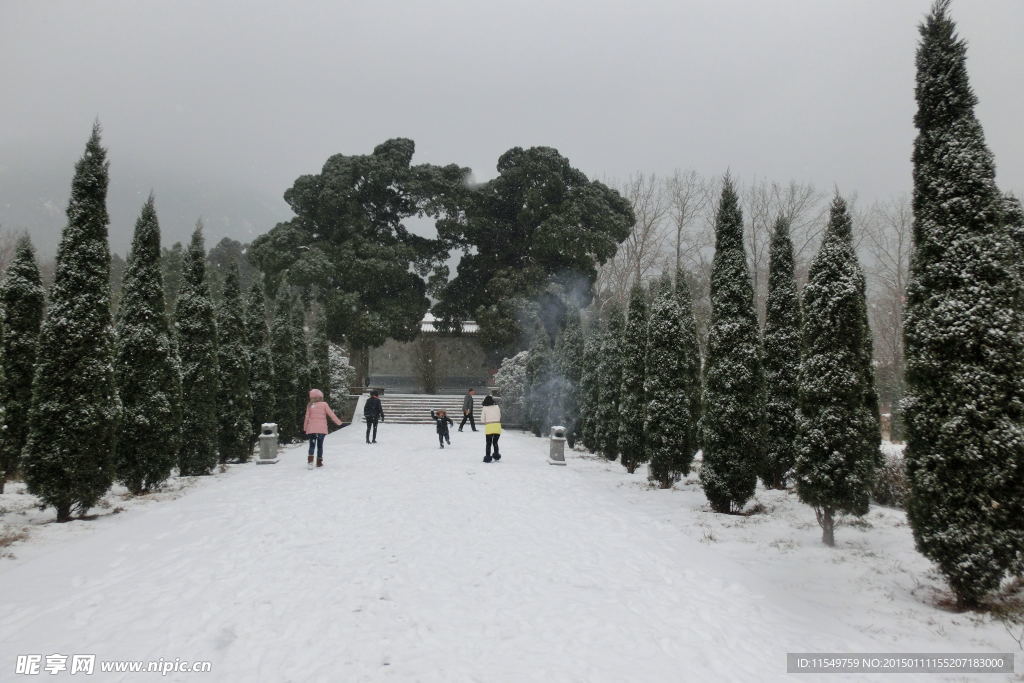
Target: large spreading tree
[(732, 426), (533, 236), (781, 360), (964, 330), (69, 453), (197, 346), (146, 366), (349, 243), (837, 452), (22, 300)]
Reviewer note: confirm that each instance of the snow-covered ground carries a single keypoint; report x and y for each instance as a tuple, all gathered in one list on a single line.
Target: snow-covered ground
[(400, 561)]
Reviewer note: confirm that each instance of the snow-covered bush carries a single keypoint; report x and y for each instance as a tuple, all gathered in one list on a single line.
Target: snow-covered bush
[(511, 382), (891, 486)]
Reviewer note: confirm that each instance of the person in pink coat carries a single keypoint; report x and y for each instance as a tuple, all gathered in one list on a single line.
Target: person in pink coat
[(315, 425)]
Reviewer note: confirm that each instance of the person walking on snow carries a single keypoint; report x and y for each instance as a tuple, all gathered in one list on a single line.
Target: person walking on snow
[(467, 410), (373, 411), (490, 414), (442, 420), (315, 425)]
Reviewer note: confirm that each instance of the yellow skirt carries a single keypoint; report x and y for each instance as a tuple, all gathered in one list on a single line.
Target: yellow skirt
[(492, 428)]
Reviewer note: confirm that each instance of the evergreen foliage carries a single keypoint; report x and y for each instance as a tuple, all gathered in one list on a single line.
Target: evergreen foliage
[(319, 358), (609, 390), (964, 330), (261, 365), (22, 300), (565, 408), (197, 347), (589, 387), (69, 454), (673, 384), (732, 426), (632, 396), (302, 370), (781, 360), (146, 367), (538, 390), (235, 438), (286, 385), (838, 447)]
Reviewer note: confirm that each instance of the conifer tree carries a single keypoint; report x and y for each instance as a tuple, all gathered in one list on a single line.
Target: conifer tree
[(732, 426), (286, 385), (261, 365), (319, 357), (235, 400), (589, 387), (609, 375), (673, 384), (197, 347), (565, 407), (964, 333), (69, 454), (22, 300), (537, 392), (146, 367), (838, 446), (302, 370), (781, 360), (632, 397)]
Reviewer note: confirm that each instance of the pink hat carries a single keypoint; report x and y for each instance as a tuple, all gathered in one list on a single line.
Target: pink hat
[(315, 393)]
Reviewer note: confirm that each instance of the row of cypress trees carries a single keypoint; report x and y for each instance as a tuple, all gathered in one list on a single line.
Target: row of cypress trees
[(89, 400), (794, 403)]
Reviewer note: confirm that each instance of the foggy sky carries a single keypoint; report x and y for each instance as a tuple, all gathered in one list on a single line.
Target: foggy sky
[(218, 105)]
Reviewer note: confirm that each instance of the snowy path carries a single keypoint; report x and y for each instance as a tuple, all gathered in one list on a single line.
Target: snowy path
[(400, 561)]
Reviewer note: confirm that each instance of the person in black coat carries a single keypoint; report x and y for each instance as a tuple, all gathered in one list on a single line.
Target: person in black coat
[(441, 418), (467, 410), (373, 412)]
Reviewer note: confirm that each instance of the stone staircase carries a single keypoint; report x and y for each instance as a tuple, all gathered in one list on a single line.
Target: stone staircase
[(415, 408)]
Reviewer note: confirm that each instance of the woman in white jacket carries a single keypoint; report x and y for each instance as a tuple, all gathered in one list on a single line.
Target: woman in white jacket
[(490, 414)]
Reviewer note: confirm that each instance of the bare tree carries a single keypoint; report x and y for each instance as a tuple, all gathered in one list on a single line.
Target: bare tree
[(887, 230), (640, 254)]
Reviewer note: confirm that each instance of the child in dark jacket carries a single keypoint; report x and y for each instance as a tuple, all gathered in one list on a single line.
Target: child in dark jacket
[(440, 417)]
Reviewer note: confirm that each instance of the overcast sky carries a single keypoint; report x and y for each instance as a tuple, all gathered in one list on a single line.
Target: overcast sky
[(219, 105)]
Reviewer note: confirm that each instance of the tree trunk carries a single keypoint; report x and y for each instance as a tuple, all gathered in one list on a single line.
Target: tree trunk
[(64, 512), (361, 362), (827, 522)]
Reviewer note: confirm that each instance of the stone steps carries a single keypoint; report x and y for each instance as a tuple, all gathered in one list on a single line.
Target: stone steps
[(415, 408)]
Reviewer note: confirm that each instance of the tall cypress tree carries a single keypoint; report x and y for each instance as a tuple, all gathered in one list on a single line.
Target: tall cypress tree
[(235, 400), (609, 374), (302, 370), (286, 385), (589, 386), (319, 357), (197, 347), (781, 360), (261, 365), (964, 332), (673, 384), (69, 454), (146, 366), (565, 408), (22, 300), (732, 427), (537, 391), (838, 446), (632, 397)]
